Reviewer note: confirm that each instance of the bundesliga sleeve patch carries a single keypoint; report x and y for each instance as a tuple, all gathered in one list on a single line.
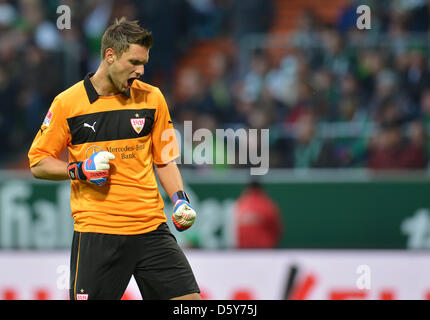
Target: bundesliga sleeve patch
[(48, 118)]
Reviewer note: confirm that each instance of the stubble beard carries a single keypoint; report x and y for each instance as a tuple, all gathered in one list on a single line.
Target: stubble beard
[(111, 79)]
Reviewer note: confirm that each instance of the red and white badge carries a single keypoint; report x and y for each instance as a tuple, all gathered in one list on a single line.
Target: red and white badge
[(137, 124), (48, 118)]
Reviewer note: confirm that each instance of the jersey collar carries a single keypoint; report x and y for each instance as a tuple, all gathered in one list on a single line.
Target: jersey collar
[(91, 91)]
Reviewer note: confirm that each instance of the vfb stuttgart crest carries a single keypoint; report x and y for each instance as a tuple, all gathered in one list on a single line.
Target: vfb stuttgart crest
[(137, 124)]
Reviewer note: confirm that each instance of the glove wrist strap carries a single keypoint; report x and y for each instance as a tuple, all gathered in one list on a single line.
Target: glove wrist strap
[(180, 195), (75, 172)]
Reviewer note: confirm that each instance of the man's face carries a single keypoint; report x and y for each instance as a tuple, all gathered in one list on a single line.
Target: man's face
[(124, 70)]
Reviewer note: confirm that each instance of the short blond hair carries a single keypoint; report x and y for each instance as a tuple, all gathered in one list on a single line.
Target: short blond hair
[(122, 33)]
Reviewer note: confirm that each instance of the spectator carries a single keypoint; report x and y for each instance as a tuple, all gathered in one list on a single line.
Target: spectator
[(390, 150), (219, 86), (251, 16), (326, 93), (258, 219), (336, 57), (306, 35), (387, 98), (192, 96), (350, 106), (370, 62), (425, 106), (282, 82), (419, 16), (416, 77), (307, 149), (254, 80), (418, 138)]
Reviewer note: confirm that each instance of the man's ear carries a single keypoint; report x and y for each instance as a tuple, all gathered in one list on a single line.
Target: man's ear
[(110, 55)]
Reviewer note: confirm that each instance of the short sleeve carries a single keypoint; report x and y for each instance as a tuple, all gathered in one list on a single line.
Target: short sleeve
[(53, 135), (164, 143)]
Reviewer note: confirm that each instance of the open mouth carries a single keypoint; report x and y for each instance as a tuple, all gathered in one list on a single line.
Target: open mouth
[(130, 82)]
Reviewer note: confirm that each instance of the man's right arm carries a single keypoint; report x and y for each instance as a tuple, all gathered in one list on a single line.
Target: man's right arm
[(95, 169), (50, 168), (51, 140)]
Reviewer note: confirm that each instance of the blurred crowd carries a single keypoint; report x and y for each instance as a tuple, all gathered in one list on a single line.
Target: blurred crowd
[(337, 97)]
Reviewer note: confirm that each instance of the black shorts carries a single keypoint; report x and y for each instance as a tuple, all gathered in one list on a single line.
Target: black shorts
[(101, 265)]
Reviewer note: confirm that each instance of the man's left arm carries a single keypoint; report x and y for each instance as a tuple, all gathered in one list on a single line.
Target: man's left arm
[(170, 178)]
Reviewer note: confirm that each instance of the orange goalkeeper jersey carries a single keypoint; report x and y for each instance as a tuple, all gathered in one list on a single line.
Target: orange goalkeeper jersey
[(135, 127)]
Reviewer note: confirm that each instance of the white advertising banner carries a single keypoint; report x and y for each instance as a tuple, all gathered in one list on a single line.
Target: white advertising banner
[(258, 275)]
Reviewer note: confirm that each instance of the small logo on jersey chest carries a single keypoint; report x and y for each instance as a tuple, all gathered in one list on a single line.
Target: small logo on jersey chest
[(86, 125), (137, 124)]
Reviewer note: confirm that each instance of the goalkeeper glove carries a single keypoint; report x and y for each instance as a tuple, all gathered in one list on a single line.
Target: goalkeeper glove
[(183, 215), (95, 169)]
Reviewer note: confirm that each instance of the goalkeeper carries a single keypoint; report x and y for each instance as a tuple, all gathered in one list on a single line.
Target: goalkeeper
[(117, 129)]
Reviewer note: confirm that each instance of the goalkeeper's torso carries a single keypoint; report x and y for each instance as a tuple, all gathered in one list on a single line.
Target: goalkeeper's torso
[(131, 126)]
